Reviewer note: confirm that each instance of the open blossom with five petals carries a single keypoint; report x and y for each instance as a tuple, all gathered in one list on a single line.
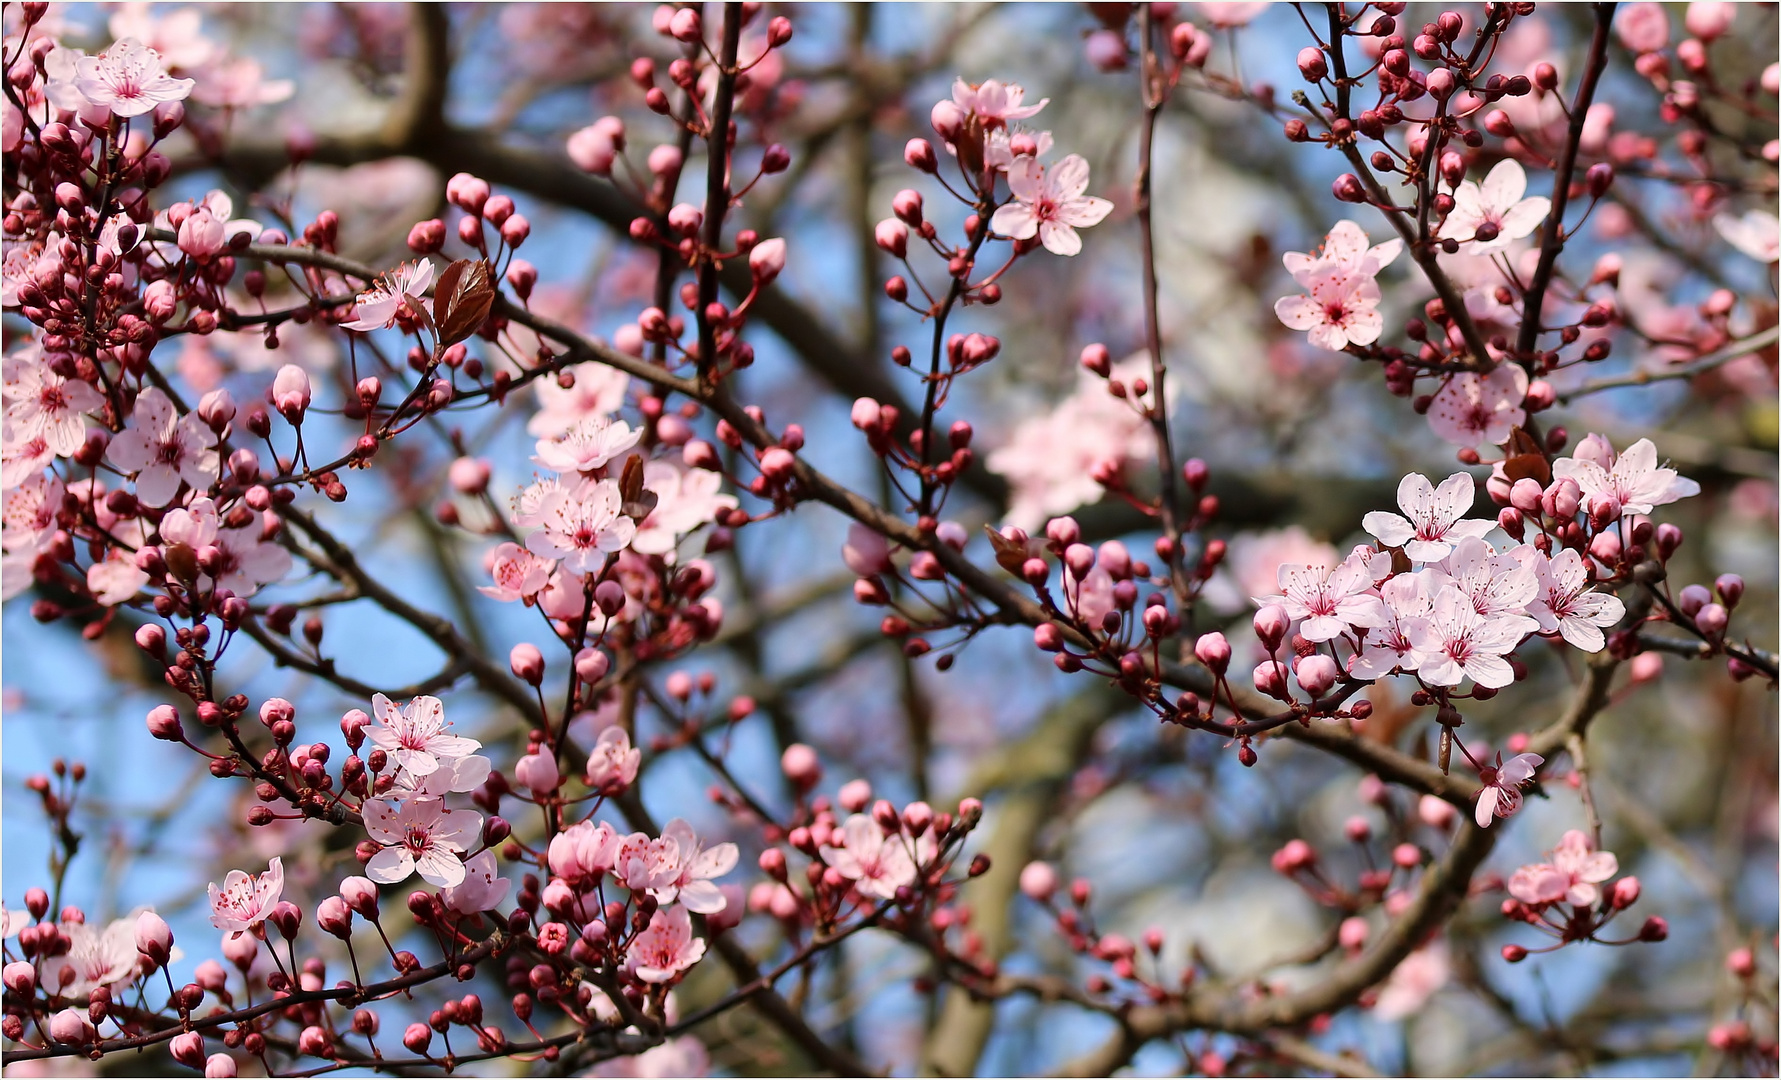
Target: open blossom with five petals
[(878, 864), (1340, 305), (413, 735), (665, 948), (1633, 479), (95, 958), (419, 834), (1050, 203), (1432, 523), (163, 448), (244, 901), (1346, 245), (1498, 586), (407, 284), (1501, 795), (1456, 643), (1331, 599), (586, 446), (1473, 409), (582, 526), (518, 574), (1571, 877), (1497, 203), (40, 403), (128, 79), (686, 499), (693, 867), (1565, 603)]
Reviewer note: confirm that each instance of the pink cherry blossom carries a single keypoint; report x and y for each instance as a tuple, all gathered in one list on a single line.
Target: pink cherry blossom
[(693, 868), (128, 79), (95, 958), (419, 834), (1231, 14), (482, 888), (1632, 479), (1331, 599), (453, 775), (1433, 523), (518, 574), (1050, 203), (1571, 877), (582, 526), (42, 404), (1564, 601), (1498, 586), (613, 763), (879, 865), (115, 579), (162, 448), (177, 35), (686, 499), (407, 284), (866, 551), (1501, 795), (247, 561), (599, 391), (239, 82), (1346, 245), (1458, 643), (21, 459), (665, 948), (1643, 27), (1498, 202), (244, 901), (1473, 409), (413, 735), (583, 851), (1408, 600), (994, 102), (588, 445), (1340, 306)]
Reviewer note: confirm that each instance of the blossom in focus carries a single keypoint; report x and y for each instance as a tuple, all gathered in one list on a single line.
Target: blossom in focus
[(40, 403), (1331, 599), (994, 102), (407, 284), (588, 445), (1497, 586), (482, 888), (1346, 245), (582, 526), (1492, 214), (244, 901), (162, 448), (695, 866), (1571, 877), (1432, 523), (419, 834), (878, 864), (665, 948), (1339, 306), (1050, 203), (1408, 600), (1458, 643), (1501, 794), (1474, 409), (1632, 479), (1565, 603), (128, 79), (518, 574), (413, 735)]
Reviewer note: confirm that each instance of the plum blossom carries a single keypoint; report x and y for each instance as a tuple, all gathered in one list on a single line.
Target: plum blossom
[(1346, 245), (115, 578), (665, 948), (42, 404), (1571, 877), (244, 901), (1338, 307), (1408, 599), (419, 834), (1643, 27), (613, 763), (1756, 233), (1050, 203), (1331, 599), (599, 391), (518, 574), (1564, 601), (162, 448), (1457, 643), (414, 734), (581, 526), (1473, 409), (1432, 524), (1498, 204), (1632, 479), (692, 869), (95, 958), (407, 284), (1230, 15), (482, 888), (588, 445), (878, 864), (128, 79), (453, 775), (239, 82), (685, 500), (994, 102), (583, 851), (29, 520), (176, 35), (21, 459), (1498, 586), (1501, 795)]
